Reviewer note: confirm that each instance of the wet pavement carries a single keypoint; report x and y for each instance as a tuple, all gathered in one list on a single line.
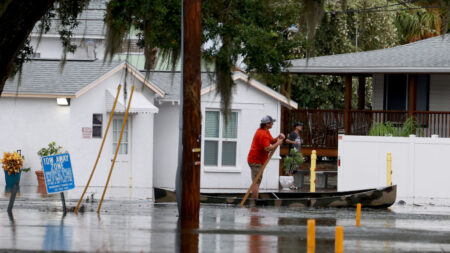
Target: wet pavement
[(131, 222)]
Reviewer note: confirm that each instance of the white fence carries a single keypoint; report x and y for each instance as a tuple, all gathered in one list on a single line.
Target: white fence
[(420, 166)]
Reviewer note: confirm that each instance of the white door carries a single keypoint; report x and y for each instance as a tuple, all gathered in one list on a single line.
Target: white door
[(122, 168)]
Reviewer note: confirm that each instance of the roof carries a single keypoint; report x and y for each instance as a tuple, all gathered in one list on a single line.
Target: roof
[(424, 56), (45, 78), (170, 83)]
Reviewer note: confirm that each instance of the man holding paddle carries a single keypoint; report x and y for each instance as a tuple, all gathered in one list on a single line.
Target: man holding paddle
[(262, 144)]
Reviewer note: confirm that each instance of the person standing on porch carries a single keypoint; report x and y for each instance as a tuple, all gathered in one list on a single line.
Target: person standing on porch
[(294, 140), (262, 144)]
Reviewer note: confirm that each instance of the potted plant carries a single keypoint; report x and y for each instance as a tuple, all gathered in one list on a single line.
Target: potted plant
[(12, 163), (290, 163), (51, 149)]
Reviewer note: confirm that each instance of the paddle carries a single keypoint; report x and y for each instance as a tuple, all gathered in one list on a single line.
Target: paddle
[(260, 172)]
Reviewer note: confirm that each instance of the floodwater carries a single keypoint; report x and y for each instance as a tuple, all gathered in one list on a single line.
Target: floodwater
[(130, 222)]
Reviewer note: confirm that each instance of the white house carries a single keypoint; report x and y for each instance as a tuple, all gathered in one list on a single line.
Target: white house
[(224, 153), (31, 118), (410, 80)]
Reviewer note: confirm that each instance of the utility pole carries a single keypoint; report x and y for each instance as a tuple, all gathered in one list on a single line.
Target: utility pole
[(188, 178)]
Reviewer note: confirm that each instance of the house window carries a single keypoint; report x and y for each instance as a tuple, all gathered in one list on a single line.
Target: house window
[(97, 120), (117, 127), (396, 91), (396, 95), (220, 146), (422, 92)]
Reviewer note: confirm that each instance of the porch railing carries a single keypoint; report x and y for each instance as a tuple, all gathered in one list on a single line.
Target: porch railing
[(321, 127)]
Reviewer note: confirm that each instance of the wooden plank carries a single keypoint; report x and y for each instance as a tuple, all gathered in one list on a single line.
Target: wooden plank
[(361, 92), (348, 104), (412, 95)]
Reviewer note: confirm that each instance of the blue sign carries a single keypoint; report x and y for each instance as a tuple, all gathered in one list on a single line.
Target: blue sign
[(58, 173)]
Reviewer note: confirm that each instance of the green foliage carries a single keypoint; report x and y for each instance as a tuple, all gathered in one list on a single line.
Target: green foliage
[(389, 129), (337, 33), (51, 149), (292, 162)]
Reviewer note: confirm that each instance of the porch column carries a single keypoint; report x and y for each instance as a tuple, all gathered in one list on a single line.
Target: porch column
[(361, 92), (412, 95), (348, 104)]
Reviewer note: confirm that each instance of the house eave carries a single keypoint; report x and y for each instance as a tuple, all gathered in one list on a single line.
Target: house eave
[(367, 70), (36, 95)]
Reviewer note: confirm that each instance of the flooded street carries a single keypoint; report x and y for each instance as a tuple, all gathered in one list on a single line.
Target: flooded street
[(130, 222)]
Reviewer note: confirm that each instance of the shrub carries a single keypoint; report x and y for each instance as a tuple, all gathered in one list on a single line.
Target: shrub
[(293, 161), (12, 162)]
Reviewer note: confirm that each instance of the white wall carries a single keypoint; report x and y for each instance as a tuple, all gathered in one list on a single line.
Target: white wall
[(29, 124), (50, 48), (419, 165), (33, 123), (251, 105), (166, 145)]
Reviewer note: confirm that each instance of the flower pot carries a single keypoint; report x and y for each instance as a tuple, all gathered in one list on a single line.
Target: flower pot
[(11, 180), (286, 181), (40, 178)]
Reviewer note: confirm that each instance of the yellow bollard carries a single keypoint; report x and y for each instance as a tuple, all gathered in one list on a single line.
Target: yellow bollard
[(339, 241), (358, 214), (389, 169), (311, 240), (312, 177)]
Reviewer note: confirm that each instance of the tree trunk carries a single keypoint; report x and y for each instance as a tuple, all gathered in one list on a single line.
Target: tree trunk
[(16, 23)]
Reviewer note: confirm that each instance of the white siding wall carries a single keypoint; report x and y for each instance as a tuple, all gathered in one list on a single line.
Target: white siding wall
[(251, 105), (36, 122), (440, 93), (29, 124), (378, 92), (51, 48), (166, 141)]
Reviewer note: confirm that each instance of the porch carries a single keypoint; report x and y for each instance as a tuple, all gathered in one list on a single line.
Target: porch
[(321, 127)]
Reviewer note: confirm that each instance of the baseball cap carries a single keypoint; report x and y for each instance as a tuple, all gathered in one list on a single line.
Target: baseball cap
[(298, 124), (267, 119)]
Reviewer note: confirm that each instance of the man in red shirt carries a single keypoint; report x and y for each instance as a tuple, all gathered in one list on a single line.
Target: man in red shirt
[(262, 144)]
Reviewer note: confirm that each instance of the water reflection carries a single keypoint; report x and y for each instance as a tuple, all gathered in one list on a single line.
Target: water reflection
[(187, 236), (256, 241), (58, 237), (13, 229)]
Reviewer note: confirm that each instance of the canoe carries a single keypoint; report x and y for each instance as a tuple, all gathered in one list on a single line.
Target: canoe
[(382, 197)]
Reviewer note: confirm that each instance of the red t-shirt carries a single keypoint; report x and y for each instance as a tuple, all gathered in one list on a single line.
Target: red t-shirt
[(261, 140)]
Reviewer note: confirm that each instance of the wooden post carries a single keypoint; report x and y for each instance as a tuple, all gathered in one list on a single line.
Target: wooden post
[(361, 92), (412, 95), (348, 104), (190, 166)]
